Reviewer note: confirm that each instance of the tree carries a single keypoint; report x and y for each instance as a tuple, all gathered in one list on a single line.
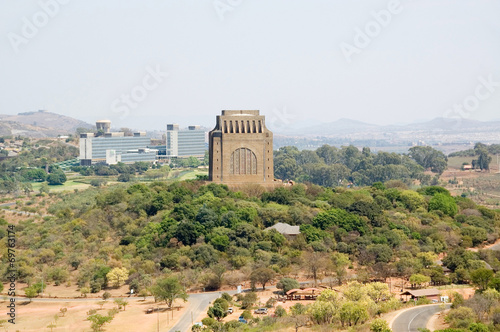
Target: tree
[(168, 289), (117, 276), (417, 280), (98, 321), (378, 291), (429, 158), (143, 293), (481, 277), (323, 312), (124, 177), (121, 303), (280, 311), (248, 300), (56, 178), (444, 203), (339, 217), (484, 160), (352, 313), (44, 188), (27, 188), (287, 284), (63, 311), (412, 200), (315, 262), (30, 292), (217, 311), (262, 276)]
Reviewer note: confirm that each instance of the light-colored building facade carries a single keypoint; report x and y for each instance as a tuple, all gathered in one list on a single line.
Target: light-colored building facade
[(241, 149), (185, 142), (111, 148)]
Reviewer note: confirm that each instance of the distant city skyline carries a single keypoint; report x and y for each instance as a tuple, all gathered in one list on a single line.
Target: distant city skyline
[(143, 65)]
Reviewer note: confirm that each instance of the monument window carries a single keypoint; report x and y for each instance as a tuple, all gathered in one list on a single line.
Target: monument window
[(243, 161)]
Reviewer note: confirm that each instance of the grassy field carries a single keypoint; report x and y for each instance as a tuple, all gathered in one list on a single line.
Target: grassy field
[(481, 186), (190, 174), (457, 162), (68, 185)]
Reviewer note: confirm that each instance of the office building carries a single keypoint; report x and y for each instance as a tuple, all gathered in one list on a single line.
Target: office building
[(184, 143), (113, 147)]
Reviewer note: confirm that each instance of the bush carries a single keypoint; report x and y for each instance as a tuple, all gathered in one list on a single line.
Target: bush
[(287, 284), (248, 300), (280, 311), (207, 321), (56, 178), (227, 297), (247, 315), (379, 325), (97, 182), (271, 302), (423, 300)]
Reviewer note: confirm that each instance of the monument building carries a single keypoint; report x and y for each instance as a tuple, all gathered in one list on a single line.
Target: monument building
[(241, 149)]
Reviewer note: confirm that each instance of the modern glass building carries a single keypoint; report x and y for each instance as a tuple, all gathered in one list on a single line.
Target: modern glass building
[(185, 142), (111, 148)]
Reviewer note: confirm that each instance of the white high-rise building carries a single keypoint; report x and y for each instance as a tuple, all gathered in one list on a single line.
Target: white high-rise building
[(185, 142), (113, 147)]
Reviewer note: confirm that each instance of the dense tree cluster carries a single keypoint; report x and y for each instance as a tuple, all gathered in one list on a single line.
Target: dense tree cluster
[(331, 167), (491, 149), (208, 235)]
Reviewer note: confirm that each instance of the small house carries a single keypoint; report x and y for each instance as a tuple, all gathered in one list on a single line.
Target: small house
[(430, 294)]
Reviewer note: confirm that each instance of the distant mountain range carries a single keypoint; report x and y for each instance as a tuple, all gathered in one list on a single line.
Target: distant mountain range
[(39, 124), (47, 124), (346, 126)]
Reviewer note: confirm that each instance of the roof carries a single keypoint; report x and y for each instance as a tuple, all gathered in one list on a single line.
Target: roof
[(304, 291), (422, 292), (285, 229)]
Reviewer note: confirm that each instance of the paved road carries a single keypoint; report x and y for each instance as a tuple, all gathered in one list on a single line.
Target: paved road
[(197, 304), (495, 247), (413, 319)]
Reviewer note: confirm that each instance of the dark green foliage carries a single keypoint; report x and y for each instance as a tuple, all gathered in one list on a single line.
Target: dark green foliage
[(33, 174), (56, 178), (287, 284), (216, 312), (429, 158), (248, 300), (481, 278), (444, 203), (340, 218), (331, 167)]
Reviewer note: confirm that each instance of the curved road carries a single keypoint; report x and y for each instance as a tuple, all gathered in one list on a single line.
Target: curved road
[(197, 304), (413, 319)]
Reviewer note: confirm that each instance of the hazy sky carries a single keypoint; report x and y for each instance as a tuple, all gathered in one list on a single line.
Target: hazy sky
[(145, 63)]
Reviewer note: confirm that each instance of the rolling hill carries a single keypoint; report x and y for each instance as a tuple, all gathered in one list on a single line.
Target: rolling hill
[(39, 124)]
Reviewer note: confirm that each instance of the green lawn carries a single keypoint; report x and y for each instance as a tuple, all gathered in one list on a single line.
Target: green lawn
[(68, 185), (190, 174)]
